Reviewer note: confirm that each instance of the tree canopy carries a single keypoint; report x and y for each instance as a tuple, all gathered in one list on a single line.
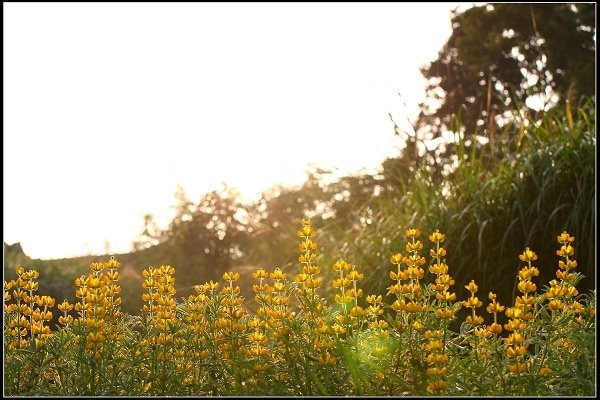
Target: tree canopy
[(499, 55)]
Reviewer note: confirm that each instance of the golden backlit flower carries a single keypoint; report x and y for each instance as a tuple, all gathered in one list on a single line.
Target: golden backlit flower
[(437, 237), (528, 255), (565, 238), (472, 302), (413, 232), (477, 320), (494, 328), (472, 287), (566, 251)]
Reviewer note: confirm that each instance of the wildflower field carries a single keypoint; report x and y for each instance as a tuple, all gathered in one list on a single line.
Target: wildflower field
[(298, 341)]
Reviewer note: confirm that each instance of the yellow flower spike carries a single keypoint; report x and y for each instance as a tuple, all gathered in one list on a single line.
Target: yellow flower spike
[(515, 338), (417, 326), (413, 232), (482, 332), (96, 267), (514, 325), (434, 371), (518, 351), (306, 231), (477, 320), (397, 258), (437, 334), (278, 274), (32, 285), (445, 296), (441, 252), (94, 283), (445, 313), (231, 276), (472, 287), (328, 359), (166, 270), (437, 237), (33, 274), (444, 280), (339, 329), (372, 299), (528, 255), (526, 287), (472, 302), (494, 328), (434, 345), (355, 275), (358, 311), (566, 251), (340, 265), (211, 286), (437, 385), (565, 238), (416, 246), (556, 305), (260, 273)]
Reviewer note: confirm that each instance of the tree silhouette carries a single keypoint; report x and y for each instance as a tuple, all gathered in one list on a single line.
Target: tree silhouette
[(499, 55)]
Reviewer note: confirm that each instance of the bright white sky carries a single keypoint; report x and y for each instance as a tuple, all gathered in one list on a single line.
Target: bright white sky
[(107, 106)]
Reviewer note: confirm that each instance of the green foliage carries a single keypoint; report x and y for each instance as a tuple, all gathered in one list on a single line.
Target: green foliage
[(545, 184), (487, 65)]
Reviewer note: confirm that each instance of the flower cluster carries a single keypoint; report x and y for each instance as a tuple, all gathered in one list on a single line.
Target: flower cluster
[(291, 342)]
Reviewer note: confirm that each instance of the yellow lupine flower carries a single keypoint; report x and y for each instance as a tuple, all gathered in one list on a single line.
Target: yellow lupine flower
[(328, 359), (494, 328), (416, 246), (434, 371), (441, 252), (527, 287), (566, 251), (515, 338), (339, 329), (516, 351), (417, 326), (437, 334), (445, 296), (231, 276), (397, 258), (477, 320), (565, 238), (472, 287), (340, 265), (278, 274), (517, 367), (445, 313), (434, 345), (437, 385), (413, 232), (472, 302), (436, 358), (528, 255), (437, 237), (438, 268)]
